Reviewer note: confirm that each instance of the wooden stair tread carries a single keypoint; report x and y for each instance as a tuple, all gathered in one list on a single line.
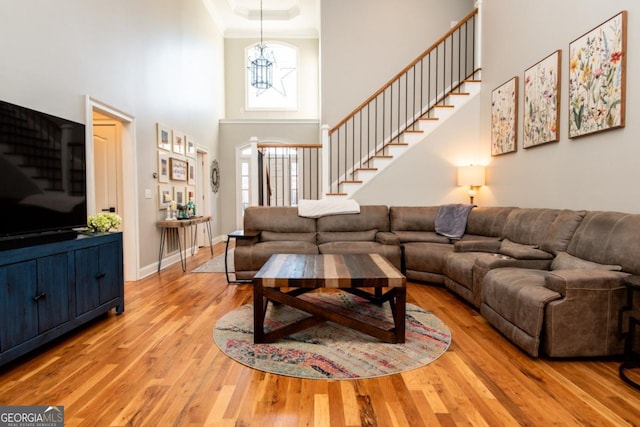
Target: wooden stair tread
[(429, 118), (336, 194), (460, 93), (348, 181), (366, 169), (443, 106), (412, 131)]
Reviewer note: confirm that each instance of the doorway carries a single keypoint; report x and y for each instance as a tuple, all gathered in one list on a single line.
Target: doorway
[(111, 163)]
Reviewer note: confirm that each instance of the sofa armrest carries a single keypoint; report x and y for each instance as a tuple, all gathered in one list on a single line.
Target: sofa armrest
[(491, 246), (247, 239), (575, 281), (387, 238)]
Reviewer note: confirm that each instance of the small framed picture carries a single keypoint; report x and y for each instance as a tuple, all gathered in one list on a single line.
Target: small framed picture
[(164, 196), (163, 136), (191, 171), (163, 166), (178, 143), (504, 118), (179, 195), (191, 146), (178, 169)]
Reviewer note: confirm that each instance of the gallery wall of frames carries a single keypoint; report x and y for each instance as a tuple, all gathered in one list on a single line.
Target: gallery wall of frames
[(176, 167)]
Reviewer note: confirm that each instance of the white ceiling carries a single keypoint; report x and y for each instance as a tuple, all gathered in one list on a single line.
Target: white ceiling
[(280, 18)]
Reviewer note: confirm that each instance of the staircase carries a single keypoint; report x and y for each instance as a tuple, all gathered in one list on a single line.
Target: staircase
[(408, 139), (404, 112)]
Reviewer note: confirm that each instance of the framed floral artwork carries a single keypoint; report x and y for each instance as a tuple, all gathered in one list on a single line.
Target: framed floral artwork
[(178, 143), (597, 63), (163, 136), (542, 102), (504, 118), (163, 166)]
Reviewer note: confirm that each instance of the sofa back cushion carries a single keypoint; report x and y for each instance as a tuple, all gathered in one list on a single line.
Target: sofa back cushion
[(487, 221), (561, 231), (413, 218), (362, 226), (529, 226), (279, 223), (415, 224), (608, 238), (347, 236)]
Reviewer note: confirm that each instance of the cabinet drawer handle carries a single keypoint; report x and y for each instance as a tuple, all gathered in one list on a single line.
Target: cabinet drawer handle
[(39, 296), (100, 275)]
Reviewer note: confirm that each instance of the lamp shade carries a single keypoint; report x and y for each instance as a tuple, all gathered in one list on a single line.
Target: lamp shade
[(471, 175)]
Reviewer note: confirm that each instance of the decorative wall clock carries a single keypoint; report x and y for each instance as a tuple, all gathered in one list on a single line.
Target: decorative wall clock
[(215, 176)]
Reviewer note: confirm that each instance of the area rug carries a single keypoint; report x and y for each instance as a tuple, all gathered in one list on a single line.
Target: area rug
[(329, 350), (215, 265)]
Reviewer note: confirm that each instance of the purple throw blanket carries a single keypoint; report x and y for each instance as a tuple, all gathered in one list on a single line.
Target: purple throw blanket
[(451, 220)]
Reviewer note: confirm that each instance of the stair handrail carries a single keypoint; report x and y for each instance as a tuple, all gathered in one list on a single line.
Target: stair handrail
[(386, 86), (412, 94)]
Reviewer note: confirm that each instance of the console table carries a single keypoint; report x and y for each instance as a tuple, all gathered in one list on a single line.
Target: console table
[(174, 225)]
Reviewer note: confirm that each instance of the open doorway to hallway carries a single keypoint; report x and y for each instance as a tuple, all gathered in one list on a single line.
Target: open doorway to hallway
[(111, 164)]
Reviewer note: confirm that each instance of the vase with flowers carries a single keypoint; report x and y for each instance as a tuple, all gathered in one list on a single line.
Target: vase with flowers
[(103, 222)]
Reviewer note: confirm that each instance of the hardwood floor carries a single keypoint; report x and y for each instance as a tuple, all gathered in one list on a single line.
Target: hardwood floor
[(157, 365)]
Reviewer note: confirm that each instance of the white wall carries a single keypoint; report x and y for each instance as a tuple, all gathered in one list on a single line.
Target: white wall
[(157, 60), (364, 43), (597, 171)]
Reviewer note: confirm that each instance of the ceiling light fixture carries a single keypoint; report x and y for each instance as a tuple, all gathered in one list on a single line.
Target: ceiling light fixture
[(261, 66)]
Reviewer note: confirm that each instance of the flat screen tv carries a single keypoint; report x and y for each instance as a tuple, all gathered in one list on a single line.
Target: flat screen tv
[(42, 171)]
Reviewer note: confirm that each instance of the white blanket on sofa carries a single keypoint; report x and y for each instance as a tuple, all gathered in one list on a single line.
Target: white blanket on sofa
[(318, 208)]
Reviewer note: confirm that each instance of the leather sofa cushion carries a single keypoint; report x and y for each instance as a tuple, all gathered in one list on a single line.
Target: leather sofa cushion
[(413, 218), (519, 251), (529, 225), (272, 236), (428, 257), (487, 221), (561, 230), (347, 236), (564, 261), (420, 236), (281, 219), (608, 238), (369, 218), (517, 298)]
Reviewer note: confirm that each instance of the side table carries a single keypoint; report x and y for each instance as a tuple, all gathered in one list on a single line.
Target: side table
[(631, 358), (238, 235)]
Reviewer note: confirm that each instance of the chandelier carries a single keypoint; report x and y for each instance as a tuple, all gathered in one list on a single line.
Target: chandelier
[(261, 66)]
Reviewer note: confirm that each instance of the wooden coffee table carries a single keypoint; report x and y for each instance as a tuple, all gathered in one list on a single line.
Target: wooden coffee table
[(286, 276)]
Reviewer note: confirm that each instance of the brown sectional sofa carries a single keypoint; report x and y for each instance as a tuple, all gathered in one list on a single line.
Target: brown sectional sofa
[(281, 230), (550, 280)]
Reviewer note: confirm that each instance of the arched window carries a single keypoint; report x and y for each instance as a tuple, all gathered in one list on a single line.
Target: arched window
[(283, 94)]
